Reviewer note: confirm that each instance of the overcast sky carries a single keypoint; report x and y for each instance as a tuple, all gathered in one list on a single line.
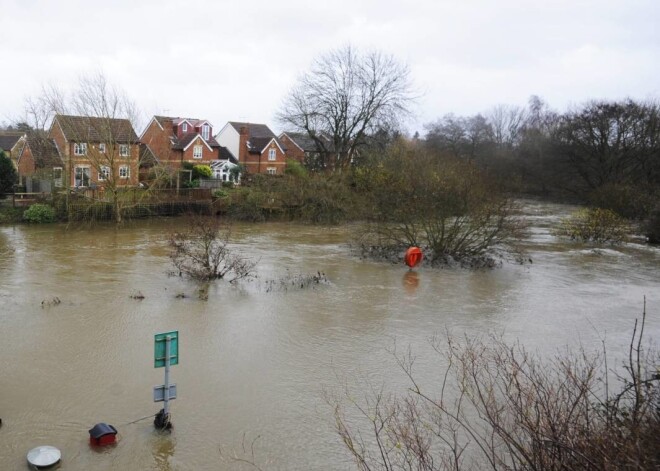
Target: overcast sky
[(236, 60)]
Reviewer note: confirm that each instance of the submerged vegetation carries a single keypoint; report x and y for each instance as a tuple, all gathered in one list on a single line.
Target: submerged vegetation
[(600, 226), (202, 252), (497, 406)]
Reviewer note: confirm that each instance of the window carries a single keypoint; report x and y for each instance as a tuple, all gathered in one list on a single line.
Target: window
[(271, 171), (81, 176), (57, 177), (197, 152), (124, 171), (272, 154), (102, 147), (80, 148), (123, 150), (206, 129), (184, 127), (104, 173)]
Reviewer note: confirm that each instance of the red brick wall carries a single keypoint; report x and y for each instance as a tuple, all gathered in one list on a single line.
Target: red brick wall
[(159, 141), (26, 165), (292, 150), (259, 163), (208, 156)]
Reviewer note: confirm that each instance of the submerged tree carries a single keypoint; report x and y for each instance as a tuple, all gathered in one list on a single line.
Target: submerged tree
[(345, 97), (203, 253), (445, 205)]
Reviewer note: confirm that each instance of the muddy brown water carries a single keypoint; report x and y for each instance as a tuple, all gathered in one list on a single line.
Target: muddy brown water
[(255, 361)]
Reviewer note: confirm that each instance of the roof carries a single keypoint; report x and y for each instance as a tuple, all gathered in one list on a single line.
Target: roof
[(44, 151), (93, 129), (254, 130), (185, 141), (8, 139), (306, 143), (226, 155)]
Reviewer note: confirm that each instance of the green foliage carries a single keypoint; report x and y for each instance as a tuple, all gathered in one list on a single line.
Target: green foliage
[(39, 213), (9, 214), (202, 171), (594, 225), (220, 193), (295, 169), (236, 172), (628, 201), (8, 175)]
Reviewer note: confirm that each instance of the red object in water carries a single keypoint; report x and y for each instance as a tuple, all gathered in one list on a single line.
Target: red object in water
[(102, 434), (413, 257)]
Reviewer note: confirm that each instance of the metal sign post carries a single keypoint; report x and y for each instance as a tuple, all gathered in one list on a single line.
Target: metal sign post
[(166, 354)]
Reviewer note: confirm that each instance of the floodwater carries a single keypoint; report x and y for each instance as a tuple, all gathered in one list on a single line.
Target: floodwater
[(255, 361)]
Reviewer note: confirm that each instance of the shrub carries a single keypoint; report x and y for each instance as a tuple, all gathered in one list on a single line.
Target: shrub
[(594, 225), (220, 193), (39, 213), (202, 171), (631, 202), (295, 169)]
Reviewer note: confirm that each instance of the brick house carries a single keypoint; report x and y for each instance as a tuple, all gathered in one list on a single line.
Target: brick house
[(12, 143), (254, 146), (301, 147), (40, 158), (173, 141), (96, 152)]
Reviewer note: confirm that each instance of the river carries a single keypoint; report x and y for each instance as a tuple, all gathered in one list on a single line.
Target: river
[(255, 361)]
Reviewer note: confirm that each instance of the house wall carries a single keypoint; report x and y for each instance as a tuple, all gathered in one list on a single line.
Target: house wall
[(229, 138), (292, 150), (259, 163), (208, 156), (26, 165), (159, 141)]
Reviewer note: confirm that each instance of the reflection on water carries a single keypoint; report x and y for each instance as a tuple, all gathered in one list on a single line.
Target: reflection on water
[(411, 282), (254, 361)]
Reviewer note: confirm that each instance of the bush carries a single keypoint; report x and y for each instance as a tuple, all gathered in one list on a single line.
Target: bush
[(498, 407), (202, 171), (295, 169), (628, 201), (220, 193), (594, 225), (39, 213)]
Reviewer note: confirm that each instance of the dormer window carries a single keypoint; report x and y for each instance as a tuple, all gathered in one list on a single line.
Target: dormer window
[(206, 130), (184, 127)]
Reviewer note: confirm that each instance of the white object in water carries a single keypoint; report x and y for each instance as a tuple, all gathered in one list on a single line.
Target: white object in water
[(44, 456)]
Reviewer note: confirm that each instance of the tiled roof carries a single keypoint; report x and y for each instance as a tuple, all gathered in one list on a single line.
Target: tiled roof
[(257, 144), (254, 130), (226, 155), (182, 143), (308, 144), (8, 139), (45, 152), (92, 129)]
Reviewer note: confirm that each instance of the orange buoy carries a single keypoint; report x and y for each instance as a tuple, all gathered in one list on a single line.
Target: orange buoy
[(413, 257)]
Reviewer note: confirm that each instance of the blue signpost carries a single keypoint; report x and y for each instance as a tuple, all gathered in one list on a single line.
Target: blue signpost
[(166, 354)]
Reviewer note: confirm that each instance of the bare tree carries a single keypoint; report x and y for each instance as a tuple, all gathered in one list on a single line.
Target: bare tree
[(99, 119), (346, 96)]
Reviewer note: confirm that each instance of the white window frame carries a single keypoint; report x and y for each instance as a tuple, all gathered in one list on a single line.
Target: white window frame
[(124, 171), (124, 150), (89, 176), (102, 147), (104, 173), (271, 171), (206, 131), (57, 180), (79, 148), (184, 127), (198, 152), (272, 154)]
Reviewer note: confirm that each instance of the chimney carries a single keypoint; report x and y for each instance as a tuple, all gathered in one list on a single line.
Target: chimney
[(242, 144)]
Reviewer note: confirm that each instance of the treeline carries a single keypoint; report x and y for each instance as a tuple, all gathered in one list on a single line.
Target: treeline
[(603, 153)]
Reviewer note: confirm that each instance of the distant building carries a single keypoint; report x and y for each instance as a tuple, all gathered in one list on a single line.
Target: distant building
[(254, 146)]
